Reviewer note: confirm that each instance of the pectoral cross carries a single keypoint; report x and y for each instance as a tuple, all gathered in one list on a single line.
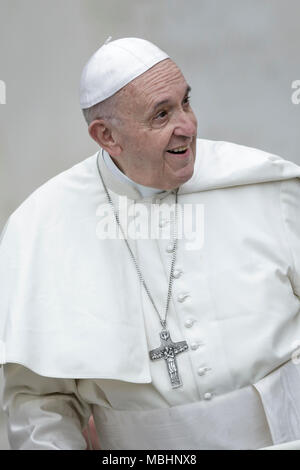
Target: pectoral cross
[(168, 351)]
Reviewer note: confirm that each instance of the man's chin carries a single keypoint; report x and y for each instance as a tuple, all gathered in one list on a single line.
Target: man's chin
[(180, 178), (185, 179), (185, 173)]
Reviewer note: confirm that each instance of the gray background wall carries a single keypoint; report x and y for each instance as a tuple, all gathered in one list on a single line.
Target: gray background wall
[(240, 57)]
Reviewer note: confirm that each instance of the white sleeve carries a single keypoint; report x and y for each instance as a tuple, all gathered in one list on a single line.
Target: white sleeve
[(290, 201), (292, 445), (42, 412)]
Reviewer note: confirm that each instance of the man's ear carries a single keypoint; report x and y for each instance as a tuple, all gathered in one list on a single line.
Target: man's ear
[(101, 131)]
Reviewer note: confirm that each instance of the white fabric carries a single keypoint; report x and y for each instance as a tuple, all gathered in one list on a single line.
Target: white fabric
[(280, 392), (50, 414), (115, 64), (72, 308), (241, 419), (41, 411), (294, 445), (235, 420), (61, 285)]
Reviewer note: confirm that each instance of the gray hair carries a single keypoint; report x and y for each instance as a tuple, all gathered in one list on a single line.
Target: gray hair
[(106, 109)]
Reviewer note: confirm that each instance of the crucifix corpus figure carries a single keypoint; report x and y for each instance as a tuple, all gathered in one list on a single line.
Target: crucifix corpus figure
[(168, 351)]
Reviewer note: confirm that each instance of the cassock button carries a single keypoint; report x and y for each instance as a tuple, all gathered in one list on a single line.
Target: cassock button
[(189, 323), (194, 346), (182, 297), (177, 273), (207, 396), (170, 248), (202, 370), (163, 223)]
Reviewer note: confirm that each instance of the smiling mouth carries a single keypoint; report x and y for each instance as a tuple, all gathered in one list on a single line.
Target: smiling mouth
[(178, 151)]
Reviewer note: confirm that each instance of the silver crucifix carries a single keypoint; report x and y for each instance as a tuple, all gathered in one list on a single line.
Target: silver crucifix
[(168, 351)]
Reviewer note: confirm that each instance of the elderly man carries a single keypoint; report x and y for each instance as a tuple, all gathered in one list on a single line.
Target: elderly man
[(179, 339)]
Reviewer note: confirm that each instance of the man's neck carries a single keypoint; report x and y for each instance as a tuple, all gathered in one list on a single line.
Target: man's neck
[(145, 191)]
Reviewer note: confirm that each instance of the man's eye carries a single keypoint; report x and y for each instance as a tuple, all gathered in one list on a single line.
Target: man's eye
[(187, 99), (161, 115)]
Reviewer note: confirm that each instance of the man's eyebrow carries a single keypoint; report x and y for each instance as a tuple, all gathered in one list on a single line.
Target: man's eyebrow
[(161, 103)]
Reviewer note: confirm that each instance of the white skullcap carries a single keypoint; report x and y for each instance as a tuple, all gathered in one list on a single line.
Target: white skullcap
[(114, 65)]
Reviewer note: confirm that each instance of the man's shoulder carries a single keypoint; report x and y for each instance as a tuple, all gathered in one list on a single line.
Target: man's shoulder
[(221, 152), (59, 192), (221, 164)]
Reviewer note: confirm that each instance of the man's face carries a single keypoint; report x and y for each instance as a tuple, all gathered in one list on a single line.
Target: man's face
[(157, 118)]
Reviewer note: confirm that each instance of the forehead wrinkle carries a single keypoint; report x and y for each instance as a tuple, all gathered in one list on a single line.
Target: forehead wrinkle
[(157, 104), (158, 86), (146, 88), (161, 69), (160, 77)]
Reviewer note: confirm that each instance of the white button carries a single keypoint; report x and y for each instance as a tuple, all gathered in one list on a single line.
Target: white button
[(170, 248), (182, 297), (177, 273), (189, 323), (203, 370), (163, 223), (194, 346), (207, 396)]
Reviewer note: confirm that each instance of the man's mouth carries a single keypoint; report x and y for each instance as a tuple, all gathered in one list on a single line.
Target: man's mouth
[(178, 150)]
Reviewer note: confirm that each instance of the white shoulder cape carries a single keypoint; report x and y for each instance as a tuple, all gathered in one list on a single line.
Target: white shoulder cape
[(65, 310)]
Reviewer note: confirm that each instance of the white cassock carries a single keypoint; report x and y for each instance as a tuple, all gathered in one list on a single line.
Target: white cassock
[(77, 326)]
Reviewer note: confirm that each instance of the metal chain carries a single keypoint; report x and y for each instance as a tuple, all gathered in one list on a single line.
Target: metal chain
[(174, 252)]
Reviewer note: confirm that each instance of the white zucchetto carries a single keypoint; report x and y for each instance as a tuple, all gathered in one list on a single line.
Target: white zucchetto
[(114, 65)]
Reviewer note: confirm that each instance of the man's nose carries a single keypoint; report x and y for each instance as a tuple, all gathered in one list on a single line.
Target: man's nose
[(186, 124)]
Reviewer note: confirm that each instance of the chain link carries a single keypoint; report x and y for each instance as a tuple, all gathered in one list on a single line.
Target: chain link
[(163, 321)]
